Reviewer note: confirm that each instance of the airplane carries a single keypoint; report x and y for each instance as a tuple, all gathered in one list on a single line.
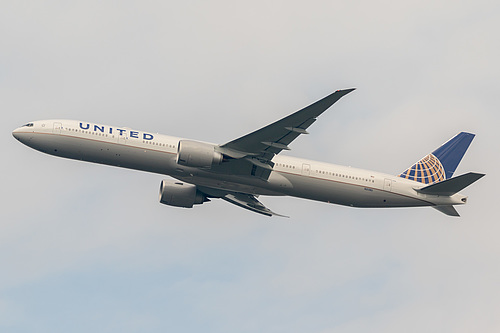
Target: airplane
[(243, 169)]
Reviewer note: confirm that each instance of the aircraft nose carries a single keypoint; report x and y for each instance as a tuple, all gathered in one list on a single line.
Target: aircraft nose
[(16, 133), (22, 134)]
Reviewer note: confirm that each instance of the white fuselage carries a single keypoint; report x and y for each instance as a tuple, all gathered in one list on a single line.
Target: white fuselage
[(123, 147)]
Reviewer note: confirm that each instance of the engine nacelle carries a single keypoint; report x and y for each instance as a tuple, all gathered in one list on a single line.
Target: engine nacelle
[(197, 154), (175, 193)]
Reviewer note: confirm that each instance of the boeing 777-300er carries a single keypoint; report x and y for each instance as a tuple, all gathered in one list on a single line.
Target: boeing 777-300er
[(242, 169)]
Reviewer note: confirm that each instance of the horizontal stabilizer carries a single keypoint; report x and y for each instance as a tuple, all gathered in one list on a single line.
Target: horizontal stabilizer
[(448, 210), (451, 186)]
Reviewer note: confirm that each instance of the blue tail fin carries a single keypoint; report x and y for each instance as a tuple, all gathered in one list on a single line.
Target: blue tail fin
[(442, 162)]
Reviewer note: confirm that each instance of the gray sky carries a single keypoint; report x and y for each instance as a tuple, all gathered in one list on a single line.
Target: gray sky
[(88, 248)]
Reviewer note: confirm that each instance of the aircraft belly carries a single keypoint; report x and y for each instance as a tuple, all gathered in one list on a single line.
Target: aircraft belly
[(104, 152), (348, 194)]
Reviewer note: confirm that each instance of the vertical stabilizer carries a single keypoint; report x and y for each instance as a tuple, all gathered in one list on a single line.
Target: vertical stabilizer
[(442, 162)]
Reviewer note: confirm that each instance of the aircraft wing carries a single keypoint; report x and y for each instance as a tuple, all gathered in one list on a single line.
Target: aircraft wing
[(243, 200), (249, 202), (260, 146)]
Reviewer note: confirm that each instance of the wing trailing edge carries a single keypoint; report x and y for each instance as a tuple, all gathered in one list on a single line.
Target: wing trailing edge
[(243, 200), (249, 202)]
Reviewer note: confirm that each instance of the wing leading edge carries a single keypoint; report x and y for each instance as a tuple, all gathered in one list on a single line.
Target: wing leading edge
[(270, 140)]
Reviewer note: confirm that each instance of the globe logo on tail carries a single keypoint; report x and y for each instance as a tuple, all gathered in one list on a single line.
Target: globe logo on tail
[(428, 170)]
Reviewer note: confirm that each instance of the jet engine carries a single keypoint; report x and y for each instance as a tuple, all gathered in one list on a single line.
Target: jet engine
[(175, 193), (197, 154)]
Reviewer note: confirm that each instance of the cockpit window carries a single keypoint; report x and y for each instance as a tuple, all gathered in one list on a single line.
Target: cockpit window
[(28, 125)]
